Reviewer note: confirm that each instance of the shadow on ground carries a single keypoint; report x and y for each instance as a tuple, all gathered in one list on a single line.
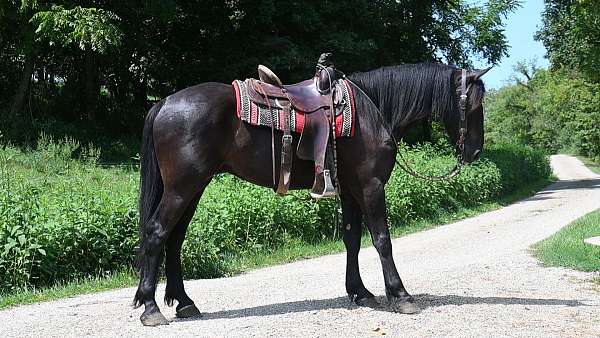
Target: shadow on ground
[(564, 185), (574, 184), (424, 301)]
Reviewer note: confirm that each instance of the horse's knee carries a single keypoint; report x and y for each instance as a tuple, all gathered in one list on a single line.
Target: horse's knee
[(383, 244)]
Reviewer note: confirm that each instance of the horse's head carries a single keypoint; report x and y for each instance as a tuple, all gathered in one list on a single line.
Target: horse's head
[(472, 134)]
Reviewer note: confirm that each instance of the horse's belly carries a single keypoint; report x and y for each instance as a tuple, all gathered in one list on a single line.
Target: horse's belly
[(251, 159)]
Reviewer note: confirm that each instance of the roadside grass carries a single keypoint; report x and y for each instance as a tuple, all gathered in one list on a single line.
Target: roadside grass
[(79, 287), (591, 164), (566, 248), (293, 251)]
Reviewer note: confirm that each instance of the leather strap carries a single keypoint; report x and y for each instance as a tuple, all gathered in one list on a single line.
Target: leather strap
[(463, 102), (262, 92), (333, 146), (286, 150)]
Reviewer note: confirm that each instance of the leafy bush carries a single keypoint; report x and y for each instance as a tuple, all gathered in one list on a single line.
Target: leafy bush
[(518, 165), (410, 198), (20, 250), (554, 111), (70, 217), (63, 216), (235, 217)]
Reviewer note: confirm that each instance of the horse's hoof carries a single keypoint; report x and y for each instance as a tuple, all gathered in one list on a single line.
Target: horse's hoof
[(153, 319), (404, 306), (188, 311)]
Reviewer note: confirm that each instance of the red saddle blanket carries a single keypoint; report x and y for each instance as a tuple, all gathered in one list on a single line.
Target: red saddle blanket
[(259, 115)]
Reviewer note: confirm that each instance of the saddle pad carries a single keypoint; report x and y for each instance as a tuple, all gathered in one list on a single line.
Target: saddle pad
[(259, 115)]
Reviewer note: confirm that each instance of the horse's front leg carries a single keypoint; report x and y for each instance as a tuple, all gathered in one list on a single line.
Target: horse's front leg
[(373, 205), (352, 217)]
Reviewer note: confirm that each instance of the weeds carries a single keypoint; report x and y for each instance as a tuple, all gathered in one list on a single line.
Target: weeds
[(64, 217)]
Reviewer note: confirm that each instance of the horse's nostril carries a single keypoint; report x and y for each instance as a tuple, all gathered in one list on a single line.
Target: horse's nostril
[(476, 154)]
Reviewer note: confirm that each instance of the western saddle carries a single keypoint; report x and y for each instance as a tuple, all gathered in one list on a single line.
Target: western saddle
[(315, 99)]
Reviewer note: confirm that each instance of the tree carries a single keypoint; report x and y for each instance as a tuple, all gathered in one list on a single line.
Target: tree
[(92, 30), (571, 34), (103, 61), (20, 43), (553, 110)]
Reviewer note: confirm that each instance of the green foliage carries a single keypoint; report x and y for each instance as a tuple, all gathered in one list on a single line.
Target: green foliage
[(64, 217), (553, 110), (20, 250), (518, 165), (567, 247), (571, 34), (484, 29), (590, 164), (98, 64), (88, 28)]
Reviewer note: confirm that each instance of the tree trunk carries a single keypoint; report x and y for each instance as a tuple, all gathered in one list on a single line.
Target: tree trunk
[(91, 86), (18, 100)]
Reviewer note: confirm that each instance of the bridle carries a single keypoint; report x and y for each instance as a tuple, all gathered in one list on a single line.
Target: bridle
[(462, 133), (462, 108)]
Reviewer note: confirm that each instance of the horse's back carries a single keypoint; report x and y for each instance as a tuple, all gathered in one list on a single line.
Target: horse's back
[(195, 109)]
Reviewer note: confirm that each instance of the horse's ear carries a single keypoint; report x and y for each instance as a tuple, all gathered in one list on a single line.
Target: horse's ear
[(474, 75)]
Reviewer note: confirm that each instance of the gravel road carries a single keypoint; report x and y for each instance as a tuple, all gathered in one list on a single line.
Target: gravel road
[(471, 278)]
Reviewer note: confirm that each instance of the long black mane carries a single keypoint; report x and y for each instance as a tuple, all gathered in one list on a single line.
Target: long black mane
[(411, 92)]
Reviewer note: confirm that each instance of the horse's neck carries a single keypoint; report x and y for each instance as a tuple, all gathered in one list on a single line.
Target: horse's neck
[(394, 115)]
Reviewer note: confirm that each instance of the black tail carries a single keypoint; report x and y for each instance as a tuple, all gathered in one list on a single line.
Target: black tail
[(151, 185)]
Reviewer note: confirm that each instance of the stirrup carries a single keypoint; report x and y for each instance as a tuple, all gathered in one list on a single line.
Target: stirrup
[(328, 190)]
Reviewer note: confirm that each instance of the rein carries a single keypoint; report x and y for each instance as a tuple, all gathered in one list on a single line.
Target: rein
[(462, 106)]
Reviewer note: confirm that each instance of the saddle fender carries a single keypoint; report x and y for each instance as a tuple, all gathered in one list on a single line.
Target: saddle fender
[(312, 145)]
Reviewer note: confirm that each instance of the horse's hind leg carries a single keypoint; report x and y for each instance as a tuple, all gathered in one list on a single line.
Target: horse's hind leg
[(170, 210), (352, 217), (175, 289)]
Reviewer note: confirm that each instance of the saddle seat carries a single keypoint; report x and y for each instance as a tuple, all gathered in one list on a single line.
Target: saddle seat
[(303, 96)]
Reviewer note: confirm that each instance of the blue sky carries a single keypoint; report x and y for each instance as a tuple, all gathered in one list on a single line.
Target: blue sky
[(520, 28)]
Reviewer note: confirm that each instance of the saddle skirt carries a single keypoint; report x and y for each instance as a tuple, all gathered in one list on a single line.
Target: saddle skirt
[(258, 114)]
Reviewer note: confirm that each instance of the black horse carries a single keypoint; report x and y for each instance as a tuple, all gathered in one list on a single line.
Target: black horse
[(194, 134)]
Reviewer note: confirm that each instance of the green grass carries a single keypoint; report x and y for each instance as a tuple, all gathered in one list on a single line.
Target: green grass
[(293, 251), (591, 164), (80, 287), (566, 248)]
